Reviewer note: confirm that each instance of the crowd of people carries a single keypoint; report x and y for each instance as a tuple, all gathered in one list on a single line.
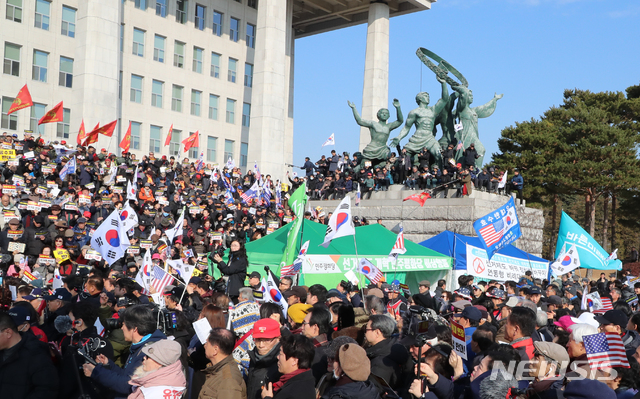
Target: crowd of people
[(98, 333), (333, 176)]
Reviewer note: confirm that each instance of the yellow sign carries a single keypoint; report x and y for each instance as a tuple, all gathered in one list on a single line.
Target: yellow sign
[(6, 155), (61, 255)]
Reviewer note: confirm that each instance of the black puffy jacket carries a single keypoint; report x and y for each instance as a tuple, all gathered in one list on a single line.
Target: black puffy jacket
[(28, 371), (261, 371), (346, 388)]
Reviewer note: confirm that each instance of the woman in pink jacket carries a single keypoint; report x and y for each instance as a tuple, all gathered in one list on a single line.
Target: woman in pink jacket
[(161, 374)]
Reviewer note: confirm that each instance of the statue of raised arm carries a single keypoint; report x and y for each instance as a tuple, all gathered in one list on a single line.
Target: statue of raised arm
[(423, 118), (468, 117), (377, 151)]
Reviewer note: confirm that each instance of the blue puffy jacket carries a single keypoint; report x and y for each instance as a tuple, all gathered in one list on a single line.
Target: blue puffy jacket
[(116, 378)]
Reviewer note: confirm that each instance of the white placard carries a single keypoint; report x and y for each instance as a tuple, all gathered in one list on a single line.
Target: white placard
[(202, 329)]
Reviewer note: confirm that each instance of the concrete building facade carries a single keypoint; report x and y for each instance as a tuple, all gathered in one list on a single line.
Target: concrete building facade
[(223, 68)]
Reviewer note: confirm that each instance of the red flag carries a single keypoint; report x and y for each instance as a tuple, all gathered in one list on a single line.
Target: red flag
[(92, 136), (54, 115), (191, 141), (420, 198), (107, 129), (168, 140), (126, 140), (22, 100), (81, 133)]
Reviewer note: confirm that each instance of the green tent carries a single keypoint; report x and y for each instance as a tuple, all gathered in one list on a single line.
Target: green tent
[(328, 266)]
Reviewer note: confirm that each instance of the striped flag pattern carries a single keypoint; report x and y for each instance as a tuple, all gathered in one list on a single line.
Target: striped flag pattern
[(398, 247), (606, 305), (605, 350), (490, 235), (371, 272), (160, 279)]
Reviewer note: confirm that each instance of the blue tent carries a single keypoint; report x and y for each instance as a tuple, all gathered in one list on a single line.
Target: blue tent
[(454, 245)]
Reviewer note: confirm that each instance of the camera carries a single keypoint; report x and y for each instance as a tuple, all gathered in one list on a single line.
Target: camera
[(113, 324), (167, 319), (220, 252)]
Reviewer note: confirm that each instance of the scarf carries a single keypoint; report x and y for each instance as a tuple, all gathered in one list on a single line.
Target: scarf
[(285, 378)]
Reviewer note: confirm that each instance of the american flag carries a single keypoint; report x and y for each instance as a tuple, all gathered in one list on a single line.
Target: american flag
[(256, 171), (398, 247), (292, 270), (492, 233), (370, 271), (605, 350), (160, 279), (606, 305), (247, 196)]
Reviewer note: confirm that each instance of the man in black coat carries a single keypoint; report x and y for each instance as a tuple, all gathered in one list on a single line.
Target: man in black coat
[(424, 298), (389, 359), (470, 155), (26, 370), (263, 363), (308, 167), (37, 236), (294, 364)]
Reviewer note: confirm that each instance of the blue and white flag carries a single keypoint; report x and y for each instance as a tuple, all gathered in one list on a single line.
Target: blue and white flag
[(110, 238), (228, 198), (68, 169), (278, 195), (499, 228), (266, 192), (251, 193), (590, 253)]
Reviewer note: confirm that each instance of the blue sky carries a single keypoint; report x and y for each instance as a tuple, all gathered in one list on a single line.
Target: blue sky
[(529, 50)]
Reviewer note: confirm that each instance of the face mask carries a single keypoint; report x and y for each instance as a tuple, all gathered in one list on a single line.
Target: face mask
[(165, 214)]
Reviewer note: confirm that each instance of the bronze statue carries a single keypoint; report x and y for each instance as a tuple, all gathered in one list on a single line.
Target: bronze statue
[(424, 117), (377, 151)]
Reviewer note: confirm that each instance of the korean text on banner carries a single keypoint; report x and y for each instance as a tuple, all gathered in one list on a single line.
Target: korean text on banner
[(459, 341), (502, 267)]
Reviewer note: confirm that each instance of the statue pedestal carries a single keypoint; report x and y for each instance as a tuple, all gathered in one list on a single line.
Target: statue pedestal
[(440, 214)]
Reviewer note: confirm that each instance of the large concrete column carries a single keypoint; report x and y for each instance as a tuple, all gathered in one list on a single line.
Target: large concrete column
[(269, 96), (375, 93), (96, 68)]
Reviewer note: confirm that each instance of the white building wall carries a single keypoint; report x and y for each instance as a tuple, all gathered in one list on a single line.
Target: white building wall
[(98, 63)]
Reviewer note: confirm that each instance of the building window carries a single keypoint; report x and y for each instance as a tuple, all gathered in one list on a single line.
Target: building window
[(155, 134), (156, 93), (62, 130), (181, 11), (196, 98), (213, 106), (212, 142), (231, 111), (11, 59), (141, 4), (39, 70), (197, 59), (161, 8), (217, 23), (246, 114), (136, 89), (248, 75), (68, 21), (135, 135), (14, 10), (215, 65), (174, 145), (194, 152), (37, 112), (138, 42), (43, 11), (251, 36), (178, 54), (121, 37), (233, 64), (9, 122), (234, 29), (176, 98), (244, 152), (200, 16), (253, 4), (228, 149), (65, 78), (158, 48), (120, 75)]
